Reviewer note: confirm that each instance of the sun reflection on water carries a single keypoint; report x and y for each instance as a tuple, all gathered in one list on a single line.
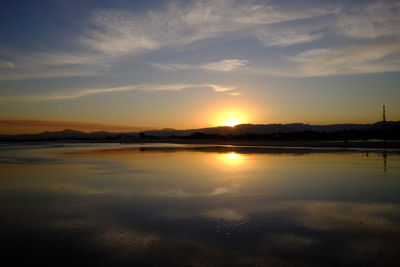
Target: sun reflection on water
[(231, 159)]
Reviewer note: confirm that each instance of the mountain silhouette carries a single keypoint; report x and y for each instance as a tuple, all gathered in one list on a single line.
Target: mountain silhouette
[(242, 129), (274, 128)]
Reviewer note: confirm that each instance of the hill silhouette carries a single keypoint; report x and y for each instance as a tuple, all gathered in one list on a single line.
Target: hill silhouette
[(391, 129)]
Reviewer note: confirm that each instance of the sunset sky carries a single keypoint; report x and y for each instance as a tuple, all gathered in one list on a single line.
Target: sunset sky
[(124, 65)]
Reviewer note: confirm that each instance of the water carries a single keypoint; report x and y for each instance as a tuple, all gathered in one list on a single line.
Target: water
[(182, 205)]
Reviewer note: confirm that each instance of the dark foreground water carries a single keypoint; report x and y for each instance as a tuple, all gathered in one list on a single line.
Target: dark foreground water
[(111, 205)]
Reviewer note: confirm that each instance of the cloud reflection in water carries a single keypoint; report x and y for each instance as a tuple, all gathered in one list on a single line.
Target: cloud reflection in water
[(182, 209)]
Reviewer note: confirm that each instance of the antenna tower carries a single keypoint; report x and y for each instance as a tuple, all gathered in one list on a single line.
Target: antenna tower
[(384, 114)]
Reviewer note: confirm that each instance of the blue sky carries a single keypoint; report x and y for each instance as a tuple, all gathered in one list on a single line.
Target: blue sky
[(182, 64)]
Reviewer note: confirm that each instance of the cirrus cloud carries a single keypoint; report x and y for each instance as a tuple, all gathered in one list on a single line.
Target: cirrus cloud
[(222, 65), (121, 32), (93, 91)]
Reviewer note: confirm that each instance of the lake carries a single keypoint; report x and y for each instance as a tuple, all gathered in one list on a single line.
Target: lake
[(188, 205)]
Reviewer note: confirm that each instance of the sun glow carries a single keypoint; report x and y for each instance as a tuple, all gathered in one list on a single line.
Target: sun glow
[(230, 118), (232, 122)]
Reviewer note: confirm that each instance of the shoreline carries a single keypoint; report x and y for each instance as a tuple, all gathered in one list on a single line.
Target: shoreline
[(299, 144), (319, 145)]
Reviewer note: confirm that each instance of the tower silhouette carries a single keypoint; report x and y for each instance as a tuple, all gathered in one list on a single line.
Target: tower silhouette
[(384, 114), (384, 123)]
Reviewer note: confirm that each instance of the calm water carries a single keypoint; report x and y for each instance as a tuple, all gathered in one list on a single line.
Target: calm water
[(171, 205)]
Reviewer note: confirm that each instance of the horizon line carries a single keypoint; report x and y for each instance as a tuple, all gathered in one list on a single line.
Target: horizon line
[(92, 127)]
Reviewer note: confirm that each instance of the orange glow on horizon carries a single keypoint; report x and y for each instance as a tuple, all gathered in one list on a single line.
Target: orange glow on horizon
[(230, 118), (231, 122), (34, 126)]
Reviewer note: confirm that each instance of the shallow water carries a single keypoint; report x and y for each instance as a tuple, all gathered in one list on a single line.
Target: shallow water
[(182, 205)]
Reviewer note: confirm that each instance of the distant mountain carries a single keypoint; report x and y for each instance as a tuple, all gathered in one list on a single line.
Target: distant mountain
[(274, 128), (257, 129), (66, 134), (60, 134)]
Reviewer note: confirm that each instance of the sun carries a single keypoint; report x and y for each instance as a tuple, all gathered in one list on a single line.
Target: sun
[(231, 117), (232, 122)]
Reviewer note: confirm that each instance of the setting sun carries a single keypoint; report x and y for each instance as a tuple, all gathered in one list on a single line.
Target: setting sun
[(232, 122), (230, 118)]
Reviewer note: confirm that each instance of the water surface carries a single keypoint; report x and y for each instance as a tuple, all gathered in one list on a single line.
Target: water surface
[(182, 205)]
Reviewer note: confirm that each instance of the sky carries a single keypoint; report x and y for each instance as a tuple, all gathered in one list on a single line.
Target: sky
[(122, 65)]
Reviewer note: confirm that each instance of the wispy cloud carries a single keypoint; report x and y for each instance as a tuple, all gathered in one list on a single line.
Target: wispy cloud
[(171, 66), (39, 73), (121, 32), (286, 38), (369, 58), (222, 65), (6, 64), (60, 58), (219, 88), (50, 64), (93, 91), (113, 35), (373, 20), (340, 60)]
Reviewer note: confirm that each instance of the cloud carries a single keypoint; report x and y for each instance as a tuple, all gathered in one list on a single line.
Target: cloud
[(50, 64), (93, 91), (340, 60), (118, 32), (222, 65), (171, 66), (378, 22), (369, 58), (6, 64), (377, 19), (60, 58), (218, 88), (112, 35), (286, 38), (143, 87), (47, 73), (86, 92), (121, 32), (235, 94)]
